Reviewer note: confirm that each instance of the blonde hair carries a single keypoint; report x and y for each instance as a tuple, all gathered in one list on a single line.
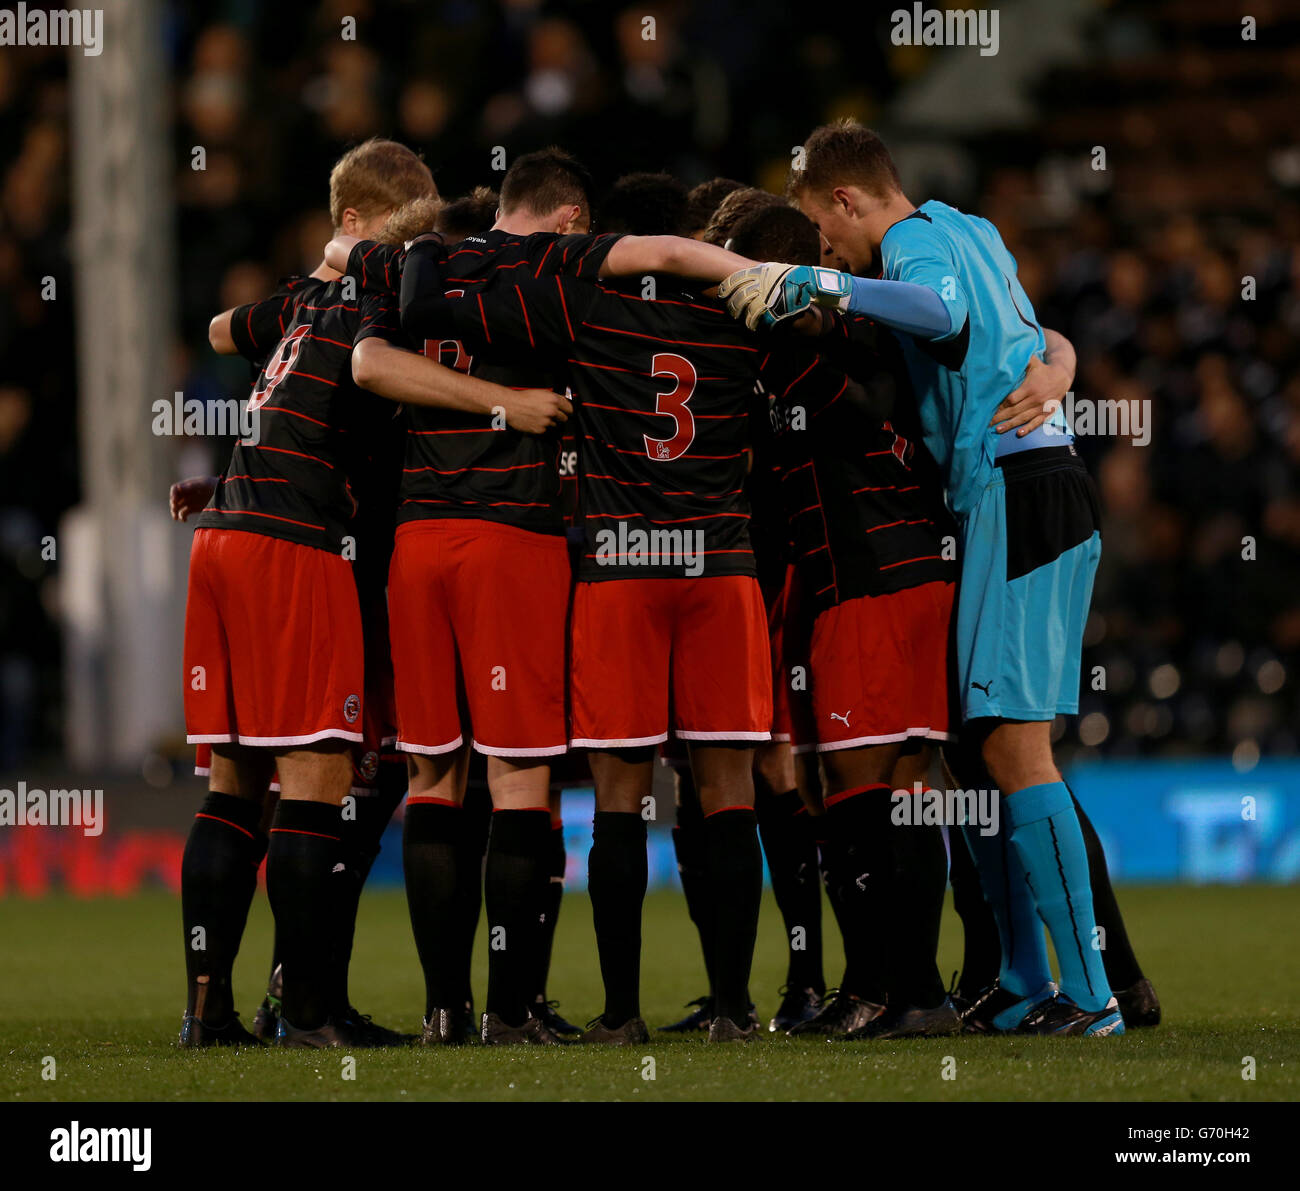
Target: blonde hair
[(410, 220), (376, 176)]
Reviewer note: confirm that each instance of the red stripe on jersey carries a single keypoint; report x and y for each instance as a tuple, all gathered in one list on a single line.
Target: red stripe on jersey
[(455, 471), (541, 264), (268, 516), (528, 326), (564, 306), (922, 558), (280, 409), (327, 339), (483, 317), (256, 479), (739, 347), (323, 379), (298, 454)]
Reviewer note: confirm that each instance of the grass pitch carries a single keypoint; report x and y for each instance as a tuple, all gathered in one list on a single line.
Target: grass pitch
[(98, 986)]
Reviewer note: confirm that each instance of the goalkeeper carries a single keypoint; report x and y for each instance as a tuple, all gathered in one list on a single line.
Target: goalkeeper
[(1030, 542)]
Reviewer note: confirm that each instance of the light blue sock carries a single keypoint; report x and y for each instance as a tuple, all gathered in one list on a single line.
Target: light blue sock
[(1025, 968), (1045, 834)]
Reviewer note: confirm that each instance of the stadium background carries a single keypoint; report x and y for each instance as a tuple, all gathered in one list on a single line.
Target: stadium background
[(1142, 264)]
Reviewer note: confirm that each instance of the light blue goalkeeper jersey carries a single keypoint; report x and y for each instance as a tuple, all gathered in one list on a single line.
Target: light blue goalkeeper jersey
[(961, 378)]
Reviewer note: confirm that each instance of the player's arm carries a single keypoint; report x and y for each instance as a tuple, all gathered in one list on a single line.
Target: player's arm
[(677, 255), (768, 294), (413, 379), (338, 250), (1040, 394), (253, 329), (219, 336)]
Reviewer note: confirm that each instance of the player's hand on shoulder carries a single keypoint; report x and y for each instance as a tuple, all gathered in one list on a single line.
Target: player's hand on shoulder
[(535, 411), (1038, 396), (191, 496)]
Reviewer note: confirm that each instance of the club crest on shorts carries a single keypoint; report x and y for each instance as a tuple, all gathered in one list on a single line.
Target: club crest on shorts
[(351, 708), (368, 766)]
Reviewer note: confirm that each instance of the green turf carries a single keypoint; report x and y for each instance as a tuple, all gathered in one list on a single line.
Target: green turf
[(97, 985)]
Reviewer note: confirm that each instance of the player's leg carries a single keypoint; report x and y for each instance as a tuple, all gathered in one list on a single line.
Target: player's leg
[(621, 645), (556, 867), (915, 881), (786, 833), (734, 863), (439, 870), (376, 794), (514, 889), (1022, 977), (688, 847), (617, 874), (442, 879), (722, 707), (508, 594), (304, 848), (1043, 830), (224, 848)]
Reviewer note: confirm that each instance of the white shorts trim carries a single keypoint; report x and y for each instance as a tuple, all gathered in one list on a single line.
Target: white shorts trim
[(553, 750), (780, 737), (833, 746), (429, 750), (756, 736), (275, 741), (582, 742), (387, 742)]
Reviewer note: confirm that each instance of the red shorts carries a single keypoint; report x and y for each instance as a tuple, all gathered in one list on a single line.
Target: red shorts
[(877, 671), (477, 620), (653, 654), (273, 652), (378, 735)]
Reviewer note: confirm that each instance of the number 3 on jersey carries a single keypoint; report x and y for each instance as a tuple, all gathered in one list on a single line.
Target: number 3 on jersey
[(673, 405)]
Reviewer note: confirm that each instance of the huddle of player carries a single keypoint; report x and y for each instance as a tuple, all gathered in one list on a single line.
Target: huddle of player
[(496, 528)]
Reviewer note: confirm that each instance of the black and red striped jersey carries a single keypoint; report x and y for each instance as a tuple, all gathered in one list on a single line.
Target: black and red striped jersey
[(461, 464), (314, 427), (863, 500), (663, 390)]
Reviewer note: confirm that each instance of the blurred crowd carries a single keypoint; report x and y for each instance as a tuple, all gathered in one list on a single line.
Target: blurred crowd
[(1196, 621)]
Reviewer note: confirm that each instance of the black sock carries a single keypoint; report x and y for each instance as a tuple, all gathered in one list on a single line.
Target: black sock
[(857, 828), (792, 863), (433, 859), (616, 879), (735, 867), (218, 880), (557, 861), (688, 844), (981, 958), (468, 904), (917, 883), (359, 847), (1122, 967), (514, 892), (304, 848)]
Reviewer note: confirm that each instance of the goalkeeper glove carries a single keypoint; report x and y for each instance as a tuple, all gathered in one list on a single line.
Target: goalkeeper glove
[(764, 295)]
